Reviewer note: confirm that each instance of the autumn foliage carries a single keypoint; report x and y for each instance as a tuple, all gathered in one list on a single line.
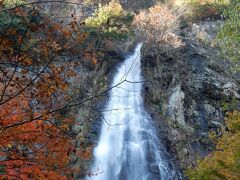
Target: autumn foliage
[(223, 163), (36, 105), (159, 26)]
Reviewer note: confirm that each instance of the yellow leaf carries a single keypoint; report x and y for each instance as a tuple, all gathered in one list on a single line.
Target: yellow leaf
[(9, 145)]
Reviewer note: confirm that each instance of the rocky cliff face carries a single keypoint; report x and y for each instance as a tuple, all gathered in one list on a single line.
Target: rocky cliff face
[(187, 92)]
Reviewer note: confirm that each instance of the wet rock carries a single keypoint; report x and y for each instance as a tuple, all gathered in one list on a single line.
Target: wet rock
[(154, 168), (144, 135), (154, 172), (153, 177)]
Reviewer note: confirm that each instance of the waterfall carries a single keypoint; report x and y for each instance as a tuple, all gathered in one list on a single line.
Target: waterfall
[(128, 148)]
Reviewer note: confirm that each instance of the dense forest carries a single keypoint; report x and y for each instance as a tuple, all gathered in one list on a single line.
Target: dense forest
[(57, 62)]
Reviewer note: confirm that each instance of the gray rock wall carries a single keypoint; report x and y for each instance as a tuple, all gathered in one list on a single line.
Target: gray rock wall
[(185, 93)]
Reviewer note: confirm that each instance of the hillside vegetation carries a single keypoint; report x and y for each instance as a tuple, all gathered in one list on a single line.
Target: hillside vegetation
[(55, 63)]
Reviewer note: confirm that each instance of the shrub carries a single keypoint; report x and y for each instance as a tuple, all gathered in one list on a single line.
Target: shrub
[(104, 13), (229, 34), (224, 162), (202, 9), (159, 25), (110, 20), (7, 18), (12, 3)]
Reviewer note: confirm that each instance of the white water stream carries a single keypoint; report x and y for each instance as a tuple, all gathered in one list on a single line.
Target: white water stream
[(128, 148)]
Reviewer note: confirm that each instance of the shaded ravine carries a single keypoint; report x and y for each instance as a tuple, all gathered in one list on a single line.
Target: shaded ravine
[(128, 147)]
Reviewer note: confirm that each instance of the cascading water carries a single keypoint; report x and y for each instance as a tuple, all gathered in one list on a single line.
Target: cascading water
[(128, 148)]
